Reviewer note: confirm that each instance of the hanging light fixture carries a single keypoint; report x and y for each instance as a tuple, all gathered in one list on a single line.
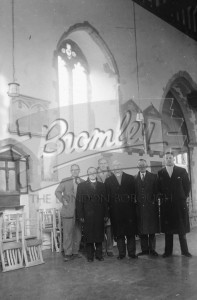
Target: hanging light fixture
[(139, 115), (13, 86)]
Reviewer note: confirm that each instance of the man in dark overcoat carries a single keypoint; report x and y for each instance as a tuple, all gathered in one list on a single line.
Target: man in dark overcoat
[(120, 191), (93, 212), (147, 208), (174, 186), (103, 173)]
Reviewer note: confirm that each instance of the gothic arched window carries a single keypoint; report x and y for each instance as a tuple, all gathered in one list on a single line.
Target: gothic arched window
[(72, 74)]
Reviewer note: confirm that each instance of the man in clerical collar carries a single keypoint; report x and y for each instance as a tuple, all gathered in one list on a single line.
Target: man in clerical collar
[(92, 176), (93, 213), (174, 187), (103, 173)]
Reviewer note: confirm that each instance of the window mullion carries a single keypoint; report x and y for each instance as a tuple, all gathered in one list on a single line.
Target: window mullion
[(7, 176)]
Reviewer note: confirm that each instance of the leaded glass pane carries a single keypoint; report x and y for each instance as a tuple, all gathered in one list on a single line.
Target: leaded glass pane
[(2, 181), (2, 164), (12, 181), (11, 164)]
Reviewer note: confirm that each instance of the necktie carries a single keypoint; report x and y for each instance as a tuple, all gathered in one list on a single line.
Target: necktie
[(142, 177), (76, 180)]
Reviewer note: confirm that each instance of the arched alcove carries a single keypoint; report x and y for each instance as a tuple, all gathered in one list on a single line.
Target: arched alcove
[(179, 127), (178, 87)]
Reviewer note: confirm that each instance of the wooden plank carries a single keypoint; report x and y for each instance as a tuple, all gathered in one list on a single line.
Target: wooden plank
[(11, 257), (14, 256), (11, 268), (11, 245), (29, 252), (7, 256)]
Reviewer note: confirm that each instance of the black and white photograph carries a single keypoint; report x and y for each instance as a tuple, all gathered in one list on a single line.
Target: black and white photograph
[(98, 149)]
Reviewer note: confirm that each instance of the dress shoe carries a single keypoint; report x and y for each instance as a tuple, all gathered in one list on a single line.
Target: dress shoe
[(166, 255), (90, 259), (68, 257), (143, 253), (133, 256), (99, 258), (110, 254), (153, 253), (187, 254), (120, 257)]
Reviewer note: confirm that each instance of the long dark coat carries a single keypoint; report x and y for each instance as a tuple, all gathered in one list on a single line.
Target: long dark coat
[(174, 192), (91, 205), (147, 204), (121, 205)]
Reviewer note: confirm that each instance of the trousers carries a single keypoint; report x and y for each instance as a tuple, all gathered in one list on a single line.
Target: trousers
[(131, 245), (147, 242), (71, 236), (169, 243), (94, 247), (108, 241)]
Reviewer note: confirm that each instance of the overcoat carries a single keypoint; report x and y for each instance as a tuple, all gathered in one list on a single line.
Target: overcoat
[(91, 206), (121, 205), (147, 204), (174, 192)]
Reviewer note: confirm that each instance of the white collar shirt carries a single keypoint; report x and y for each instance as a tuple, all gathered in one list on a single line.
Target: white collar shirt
[(169, 170)]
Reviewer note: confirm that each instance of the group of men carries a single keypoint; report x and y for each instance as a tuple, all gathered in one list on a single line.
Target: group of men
[(113, 205)]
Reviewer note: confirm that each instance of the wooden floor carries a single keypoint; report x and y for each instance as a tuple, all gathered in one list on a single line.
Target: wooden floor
[(145, 278)]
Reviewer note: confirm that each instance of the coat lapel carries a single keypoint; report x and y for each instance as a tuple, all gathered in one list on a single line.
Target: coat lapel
[(122, 178), (174, 172), (114, 179), (139, 180), (146, 177)]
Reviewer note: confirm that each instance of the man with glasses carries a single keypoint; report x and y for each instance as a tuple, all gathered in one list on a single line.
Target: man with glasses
[(66, 194)]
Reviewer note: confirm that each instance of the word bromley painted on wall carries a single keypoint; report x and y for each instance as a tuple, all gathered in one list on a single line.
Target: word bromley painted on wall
[(59, 140)]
